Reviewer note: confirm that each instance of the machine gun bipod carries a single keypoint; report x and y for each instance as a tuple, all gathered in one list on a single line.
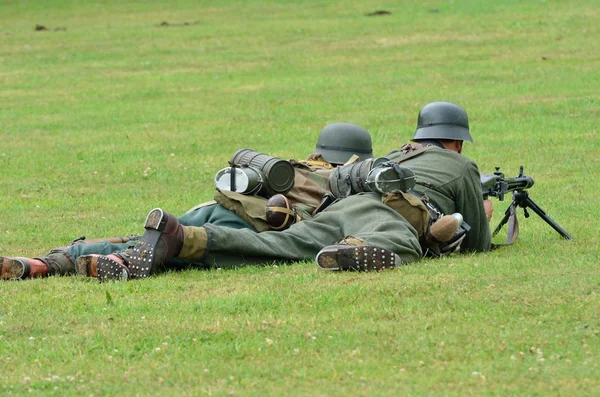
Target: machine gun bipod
[(521, 199)]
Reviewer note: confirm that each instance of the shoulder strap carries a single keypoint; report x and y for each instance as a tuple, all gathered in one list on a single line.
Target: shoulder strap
[(409, 151), (513, 227), (318, 164)]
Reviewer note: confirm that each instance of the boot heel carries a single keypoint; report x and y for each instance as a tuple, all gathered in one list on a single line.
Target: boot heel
[(16, 269), (87, 265), (155, 220)]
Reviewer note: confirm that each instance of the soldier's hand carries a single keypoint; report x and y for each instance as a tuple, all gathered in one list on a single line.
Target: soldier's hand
[(489, 209)]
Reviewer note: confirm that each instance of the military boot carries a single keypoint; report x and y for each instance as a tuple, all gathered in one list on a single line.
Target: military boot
[(87, 265), (111, 268), (353, 254), (21, 268), (162, 240)]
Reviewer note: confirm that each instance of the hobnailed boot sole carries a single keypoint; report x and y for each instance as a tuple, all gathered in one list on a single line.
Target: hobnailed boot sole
[(358, 258), (111, 270), (142, 258)]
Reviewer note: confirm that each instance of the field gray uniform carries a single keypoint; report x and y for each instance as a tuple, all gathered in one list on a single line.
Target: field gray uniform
[(363, 216), (452, 184)]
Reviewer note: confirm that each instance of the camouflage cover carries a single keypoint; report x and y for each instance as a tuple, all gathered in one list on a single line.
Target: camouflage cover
[(310, 185)]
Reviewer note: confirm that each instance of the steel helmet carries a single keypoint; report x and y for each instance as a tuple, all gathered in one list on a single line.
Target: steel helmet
[(339, 141), (443, 120)]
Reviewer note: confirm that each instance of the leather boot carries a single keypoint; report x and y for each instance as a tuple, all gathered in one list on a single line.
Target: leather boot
[(162, 240), (87, 265), (21, 268), (347, 255), (110, 268)]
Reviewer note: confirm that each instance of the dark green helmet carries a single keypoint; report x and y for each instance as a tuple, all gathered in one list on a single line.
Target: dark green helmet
[(339, 141), (443, 120)]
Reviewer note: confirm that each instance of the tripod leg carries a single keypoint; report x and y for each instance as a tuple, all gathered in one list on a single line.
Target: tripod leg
[(528, 203)]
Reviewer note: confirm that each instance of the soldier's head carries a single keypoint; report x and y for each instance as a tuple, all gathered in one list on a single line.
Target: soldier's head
[(445, 123), (339, 141)]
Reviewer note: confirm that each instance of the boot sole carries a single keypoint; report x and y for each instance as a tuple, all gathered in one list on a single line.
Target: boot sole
[(111, 270), (358, 258), (15, 269), (142, 259)]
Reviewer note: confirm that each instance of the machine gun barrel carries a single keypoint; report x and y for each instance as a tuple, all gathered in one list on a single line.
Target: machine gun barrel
[(496, 185), (519, 183)]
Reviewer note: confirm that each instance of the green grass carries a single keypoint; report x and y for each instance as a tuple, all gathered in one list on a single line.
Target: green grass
[(114, 115)]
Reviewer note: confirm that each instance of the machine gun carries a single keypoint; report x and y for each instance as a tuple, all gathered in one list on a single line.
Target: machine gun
[(497, 185)]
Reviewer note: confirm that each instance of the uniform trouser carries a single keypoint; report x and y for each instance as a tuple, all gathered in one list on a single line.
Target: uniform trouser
[(63, 259), (362, 216)]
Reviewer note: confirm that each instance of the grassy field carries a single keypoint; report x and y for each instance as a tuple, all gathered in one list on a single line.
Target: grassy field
[(114, 108)]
